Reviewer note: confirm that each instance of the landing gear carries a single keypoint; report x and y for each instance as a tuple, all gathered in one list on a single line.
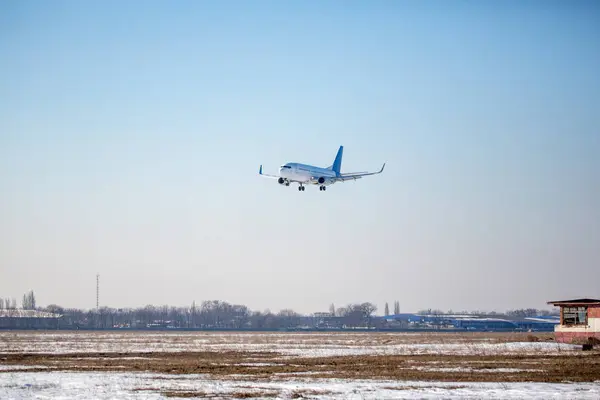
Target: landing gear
[(322, 188), (301, 188)]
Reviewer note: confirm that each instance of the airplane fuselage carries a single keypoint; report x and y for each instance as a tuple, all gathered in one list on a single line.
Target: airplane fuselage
[(297, 172)]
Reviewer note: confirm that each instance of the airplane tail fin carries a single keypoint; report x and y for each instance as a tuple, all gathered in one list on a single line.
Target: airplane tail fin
[(337, 163)]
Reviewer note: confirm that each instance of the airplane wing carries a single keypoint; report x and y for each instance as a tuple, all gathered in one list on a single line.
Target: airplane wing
[(267, 175), (357, 175)]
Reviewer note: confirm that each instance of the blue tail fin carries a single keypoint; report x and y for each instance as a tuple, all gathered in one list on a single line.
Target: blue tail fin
[(337, 163)]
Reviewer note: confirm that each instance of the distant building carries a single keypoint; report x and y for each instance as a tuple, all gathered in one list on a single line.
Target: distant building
[(485, 324), (532, 324), (323, 315), (407, 317), (28, 319), (541, 323), (471, 322), (579, 320)]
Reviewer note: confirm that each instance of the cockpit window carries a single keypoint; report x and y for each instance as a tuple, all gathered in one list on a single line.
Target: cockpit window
[(285, 166)]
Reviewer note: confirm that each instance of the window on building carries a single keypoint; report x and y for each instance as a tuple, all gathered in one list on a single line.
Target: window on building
[(575, 316)]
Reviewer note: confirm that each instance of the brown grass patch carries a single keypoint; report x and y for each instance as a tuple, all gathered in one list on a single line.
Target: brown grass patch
[(576, 367), (309, 393), (229, 395), (413, 387)]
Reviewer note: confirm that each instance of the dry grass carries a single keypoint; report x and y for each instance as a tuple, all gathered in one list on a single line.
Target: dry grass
[(580, 367), (254, 366), (309, 393)]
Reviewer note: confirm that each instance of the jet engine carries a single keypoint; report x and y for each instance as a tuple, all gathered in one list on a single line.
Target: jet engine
[(321, 180), (281, 181)]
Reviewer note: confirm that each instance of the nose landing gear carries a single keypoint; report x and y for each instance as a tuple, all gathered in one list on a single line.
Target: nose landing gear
[(301, 188), (322, 188)]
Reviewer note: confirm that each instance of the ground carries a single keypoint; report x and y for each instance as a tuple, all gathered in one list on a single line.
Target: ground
[(294, 365)]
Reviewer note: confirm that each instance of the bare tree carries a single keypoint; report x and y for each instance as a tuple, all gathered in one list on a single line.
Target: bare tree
[(192, 317), (55, 309), (522, 313), (396, 307), (352, 315), (387, 309), (357, 314), (28, 302), (341, 312), (368, 309), (332, 310)]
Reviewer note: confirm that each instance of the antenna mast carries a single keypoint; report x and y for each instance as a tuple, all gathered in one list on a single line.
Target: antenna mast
[(97, 291)]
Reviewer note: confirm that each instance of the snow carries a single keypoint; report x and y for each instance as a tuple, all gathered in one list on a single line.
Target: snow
[(469, 369), (17, 382), (447, 349), (98, 385), (290, 345)]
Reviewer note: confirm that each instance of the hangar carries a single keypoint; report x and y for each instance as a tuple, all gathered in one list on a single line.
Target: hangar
[(28, 319)]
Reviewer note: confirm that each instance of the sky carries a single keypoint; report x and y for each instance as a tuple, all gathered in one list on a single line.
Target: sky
[(131, 134)]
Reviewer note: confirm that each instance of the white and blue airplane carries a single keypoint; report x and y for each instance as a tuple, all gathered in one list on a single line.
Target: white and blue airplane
[(304, 174)]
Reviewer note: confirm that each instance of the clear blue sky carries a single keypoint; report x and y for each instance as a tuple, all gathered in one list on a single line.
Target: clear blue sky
[(131, 135)]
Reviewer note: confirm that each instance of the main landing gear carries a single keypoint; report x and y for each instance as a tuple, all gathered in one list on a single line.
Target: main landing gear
[(301, 188)]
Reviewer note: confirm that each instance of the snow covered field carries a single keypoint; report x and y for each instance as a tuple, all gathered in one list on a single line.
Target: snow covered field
[(290, 344), (160, 365), (73, 385)]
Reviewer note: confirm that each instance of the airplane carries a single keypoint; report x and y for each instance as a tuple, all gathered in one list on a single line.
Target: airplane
[(304, 174)]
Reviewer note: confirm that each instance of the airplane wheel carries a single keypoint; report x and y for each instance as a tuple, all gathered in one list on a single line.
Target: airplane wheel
[(299, 188), (303, 188), (324, 188)]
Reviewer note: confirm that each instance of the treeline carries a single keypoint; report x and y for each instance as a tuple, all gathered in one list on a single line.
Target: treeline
[(213, 314), (216, 314), (8, 304), (27, 303)]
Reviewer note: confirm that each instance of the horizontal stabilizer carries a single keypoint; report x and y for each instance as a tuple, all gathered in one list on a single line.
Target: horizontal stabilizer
[(260, 172)]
